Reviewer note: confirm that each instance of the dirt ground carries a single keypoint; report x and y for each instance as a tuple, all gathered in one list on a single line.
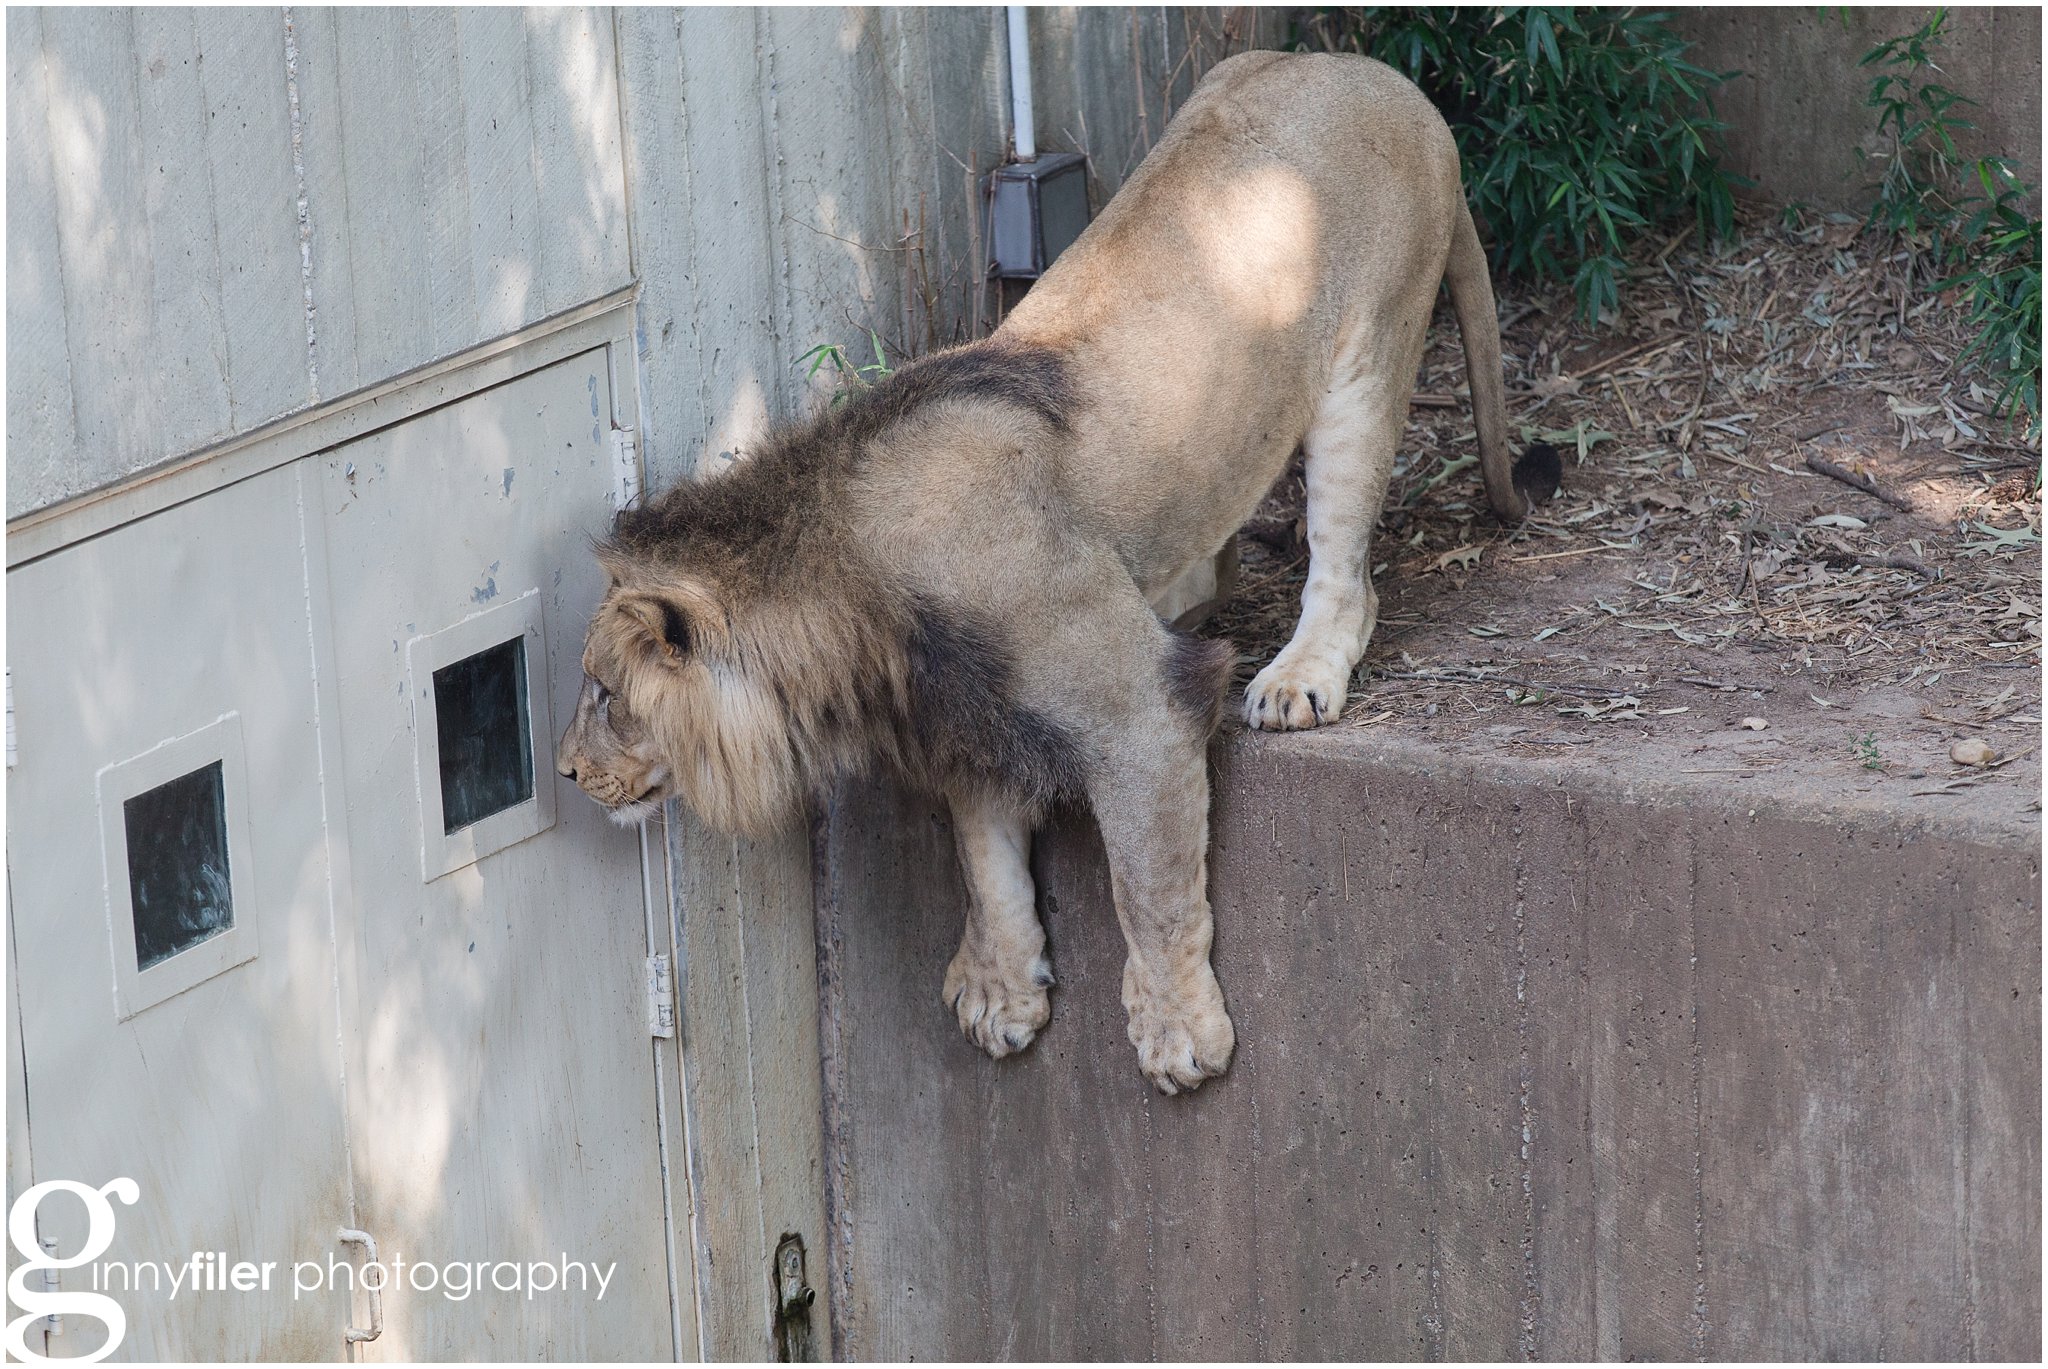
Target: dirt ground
[(1699, 597)]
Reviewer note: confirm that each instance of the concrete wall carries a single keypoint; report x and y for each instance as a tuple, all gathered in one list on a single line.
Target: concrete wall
[(1533, 1061), (220, 217), (1797, 111), (803, 176), (216, 217)]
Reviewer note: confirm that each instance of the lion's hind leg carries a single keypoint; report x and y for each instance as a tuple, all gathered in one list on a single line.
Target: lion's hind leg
[(1350, 447), (997, 982)]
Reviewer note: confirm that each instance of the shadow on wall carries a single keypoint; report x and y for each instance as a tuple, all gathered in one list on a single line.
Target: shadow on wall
[(489, 1068), (587, 75), (220, 217)]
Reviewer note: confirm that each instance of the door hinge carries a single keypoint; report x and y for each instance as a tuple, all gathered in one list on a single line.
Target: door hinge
[(793, 1299), (53, 1279), (625, 469), (661, 997)]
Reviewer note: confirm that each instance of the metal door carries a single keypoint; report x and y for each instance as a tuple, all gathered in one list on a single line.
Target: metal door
[(308, 934), (172, 918), (503, 1100)]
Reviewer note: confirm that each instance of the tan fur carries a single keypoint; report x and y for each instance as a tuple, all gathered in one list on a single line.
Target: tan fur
[(953, 576)]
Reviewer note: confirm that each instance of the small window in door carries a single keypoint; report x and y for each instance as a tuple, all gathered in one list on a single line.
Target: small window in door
[(178, 883), (180, 869), (484, 735)]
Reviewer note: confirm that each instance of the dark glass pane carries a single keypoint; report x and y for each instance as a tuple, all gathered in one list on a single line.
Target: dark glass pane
[(178, 864), (1063, 208), (485, 740)]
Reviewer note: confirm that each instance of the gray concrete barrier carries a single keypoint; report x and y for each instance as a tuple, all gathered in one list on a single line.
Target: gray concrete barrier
[(1797, 113), (1532, 1061)]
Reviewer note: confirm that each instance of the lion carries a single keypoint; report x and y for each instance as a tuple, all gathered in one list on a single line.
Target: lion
[(953, 576)]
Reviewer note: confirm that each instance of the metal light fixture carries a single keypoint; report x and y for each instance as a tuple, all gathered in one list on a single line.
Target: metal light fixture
[(1033, 206), (1033, 210)]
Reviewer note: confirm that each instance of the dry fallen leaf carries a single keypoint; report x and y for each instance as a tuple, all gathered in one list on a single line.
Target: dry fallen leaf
[(1972, 751), (1463, 557)]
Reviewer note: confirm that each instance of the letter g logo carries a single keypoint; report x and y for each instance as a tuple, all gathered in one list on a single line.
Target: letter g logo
[(39, 1302)]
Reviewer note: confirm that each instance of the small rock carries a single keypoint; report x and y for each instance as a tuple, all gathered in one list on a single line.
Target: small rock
[(1756, 724), (1972, 751)]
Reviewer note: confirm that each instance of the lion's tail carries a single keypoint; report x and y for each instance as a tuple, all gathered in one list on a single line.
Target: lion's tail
[(1510, 487)]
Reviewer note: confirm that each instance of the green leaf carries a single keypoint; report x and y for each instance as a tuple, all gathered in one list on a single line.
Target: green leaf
[(1578, 129)]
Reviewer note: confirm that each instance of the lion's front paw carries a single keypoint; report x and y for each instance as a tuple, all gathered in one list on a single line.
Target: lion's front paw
[(1290, 695), (1001, 1007), (1184, 1036)]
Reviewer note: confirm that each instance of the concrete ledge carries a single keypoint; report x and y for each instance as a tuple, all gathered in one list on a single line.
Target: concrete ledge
[(1532, 1062)]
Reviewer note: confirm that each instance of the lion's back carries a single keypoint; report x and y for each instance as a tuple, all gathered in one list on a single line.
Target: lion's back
[(1293, 199), (1346, 123), (1287, 183)]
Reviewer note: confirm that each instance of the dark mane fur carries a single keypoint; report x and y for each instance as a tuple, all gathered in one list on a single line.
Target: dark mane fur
[(966, 727), (1022, 376), (757, 513), (861, 671), (1197, 671)]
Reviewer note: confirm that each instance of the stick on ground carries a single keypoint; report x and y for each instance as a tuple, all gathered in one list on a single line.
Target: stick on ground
[(1820, 465)]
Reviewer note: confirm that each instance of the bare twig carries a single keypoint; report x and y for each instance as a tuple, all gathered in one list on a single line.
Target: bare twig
[(1897, 560), (1516, 315), (1247, 591), (1655, 345), (1749, 528), (1820, 465), (1733, 460), (1724, 686), (1603, 692)]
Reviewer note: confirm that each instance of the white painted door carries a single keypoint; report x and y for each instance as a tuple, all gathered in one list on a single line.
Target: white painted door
[(502, 1079), (308, 933), (171, 915)]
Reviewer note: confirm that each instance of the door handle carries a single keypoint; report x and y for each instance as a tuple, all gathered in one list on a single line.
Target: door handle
[(357, 1334)]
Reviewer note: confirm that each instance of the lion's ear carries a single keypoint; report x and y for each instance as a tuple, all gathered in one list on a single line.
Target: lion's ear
[(615, 563), (660, 621)]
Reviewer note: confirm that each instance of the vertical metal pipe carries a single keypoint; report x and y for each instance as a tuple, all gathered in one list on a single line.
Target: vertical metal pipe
[(1024, 133)]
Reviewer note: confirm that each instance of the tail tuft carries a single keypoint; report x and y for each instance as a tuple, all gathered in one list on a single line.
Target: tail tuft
[(1539, 473), (1198, 671)]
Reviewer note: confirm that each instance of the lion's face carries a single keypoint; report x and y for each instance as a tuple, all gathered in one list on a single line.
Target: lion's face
[(669, 710), (608, 749)]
